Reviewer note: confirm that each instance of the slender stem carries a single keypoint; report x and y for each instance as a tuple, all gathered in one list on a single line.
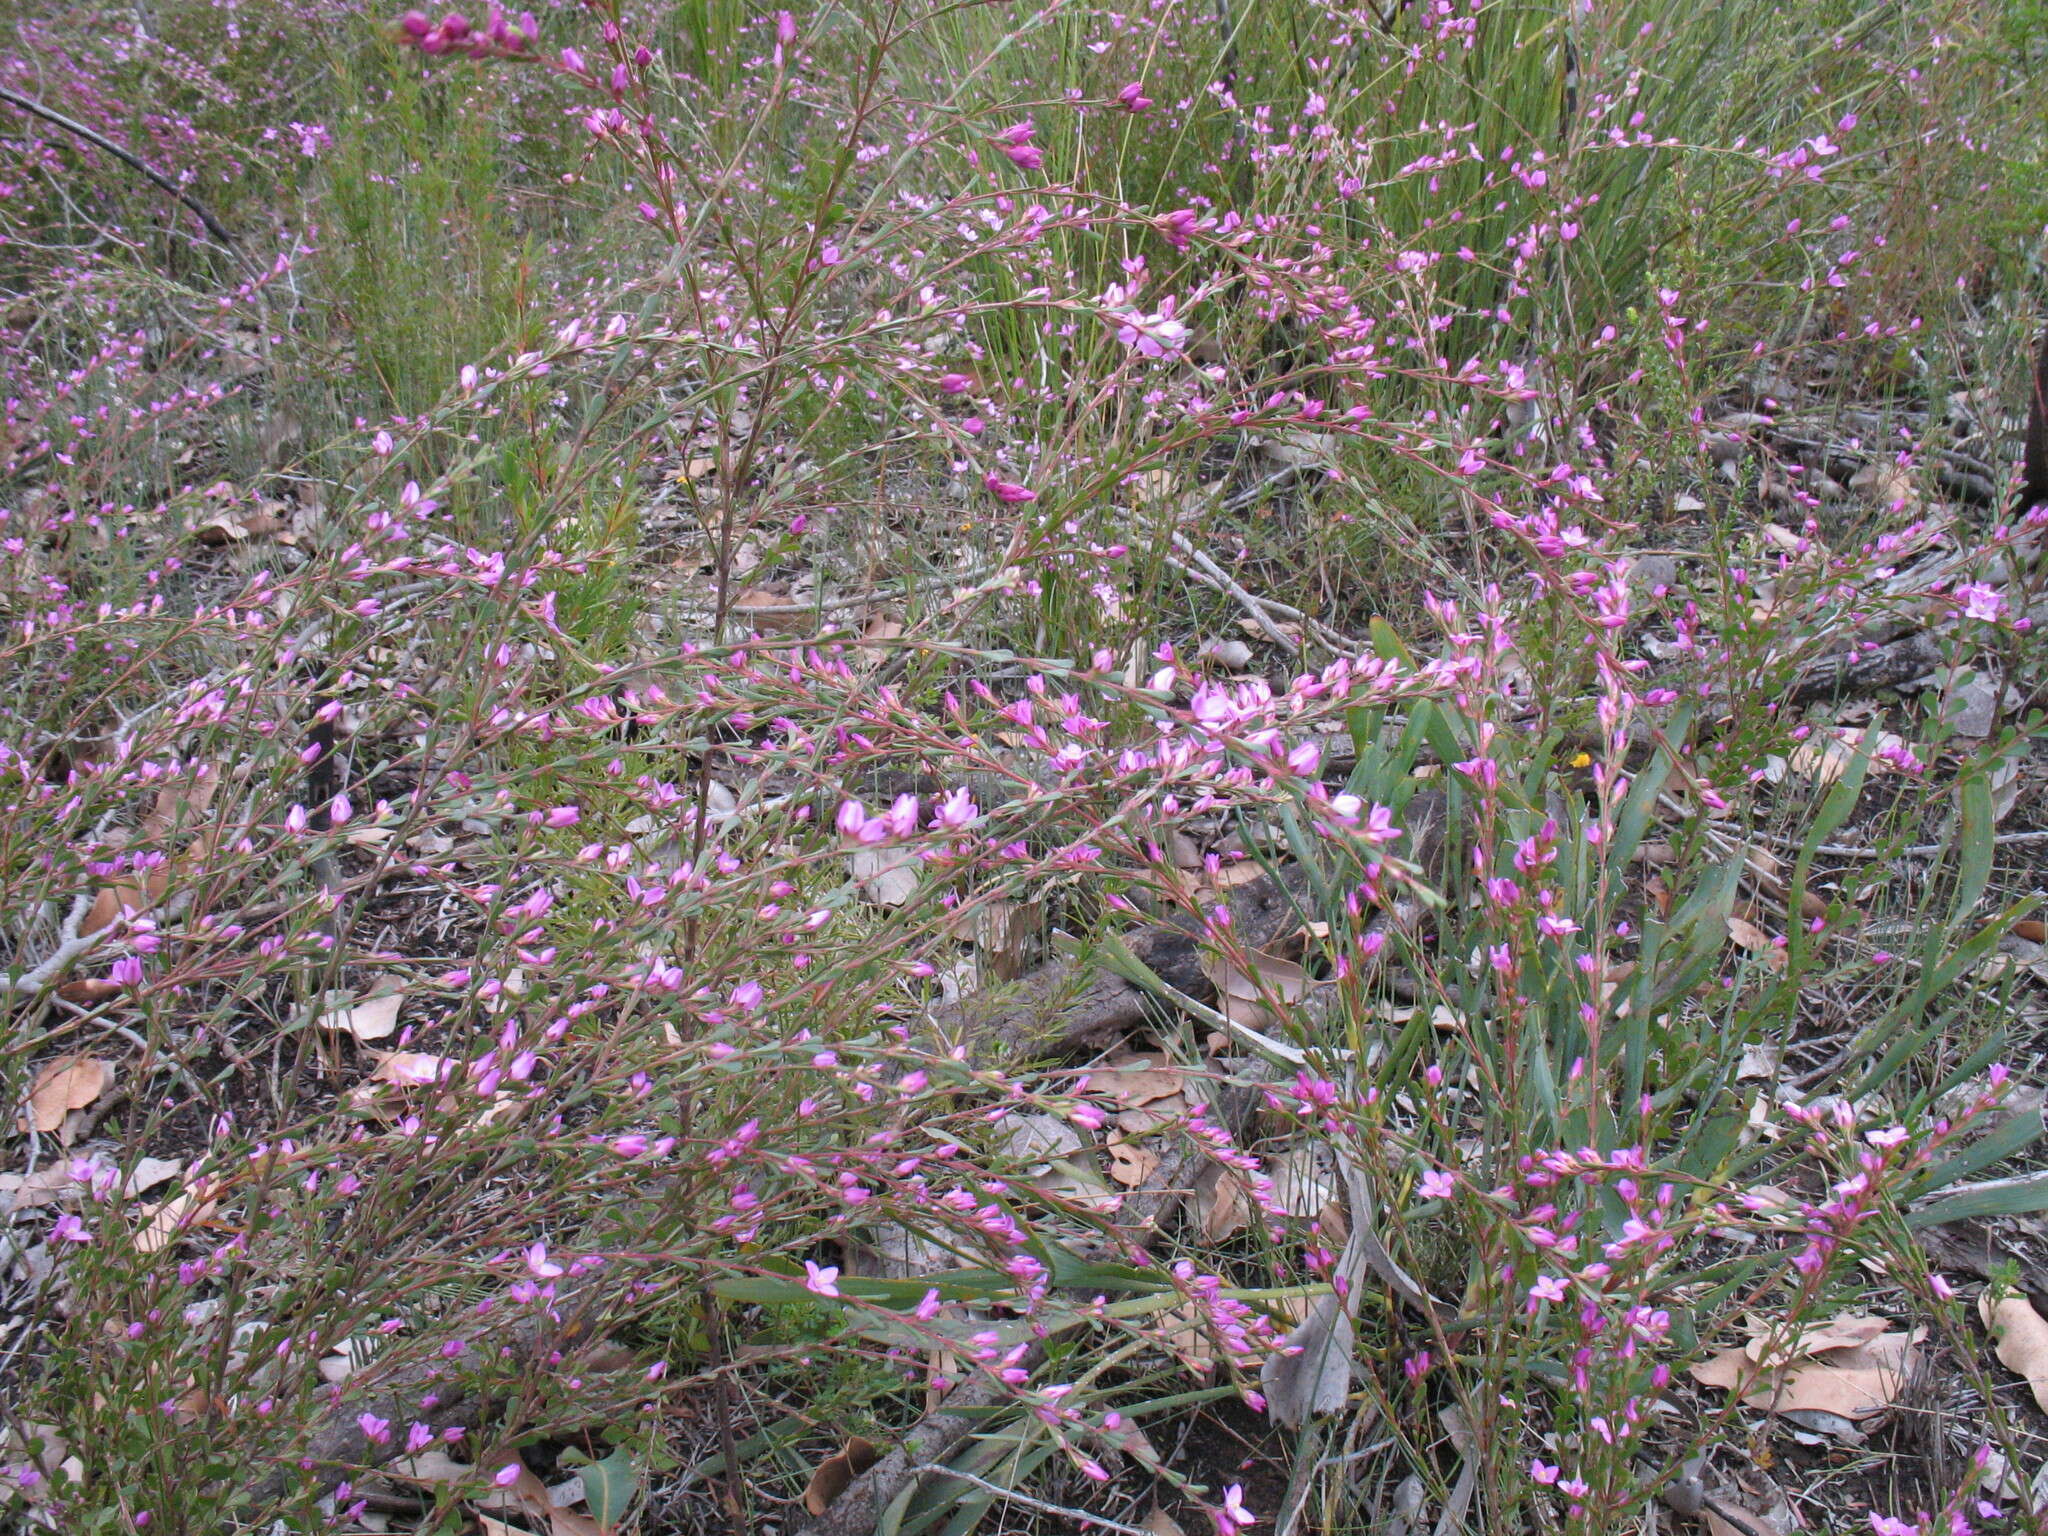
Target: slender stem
[(34, 108)]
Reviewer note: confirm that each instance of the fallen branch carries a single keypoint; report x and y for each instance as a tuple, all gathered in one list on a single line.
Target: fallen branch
[(35, 108)]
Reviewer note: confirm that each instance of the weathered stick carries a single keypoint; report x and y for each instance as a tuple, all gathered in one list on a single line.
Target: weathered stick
[(35, 108)]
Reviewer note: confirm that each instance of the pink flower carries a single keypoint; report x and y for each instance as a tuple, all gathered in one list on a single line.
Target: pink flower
[(1482, 770), (1005, 491), (785, 29), (508, 1474), (821, 1279), (1015, 141), (70, 1229), (955, 383), (1132, 98), (1981, 602), (900, 820), (1233, 1516), (1156, 335), (956, 811), (1179, 225), (539, 1264), (852, 819), (375, 1430)]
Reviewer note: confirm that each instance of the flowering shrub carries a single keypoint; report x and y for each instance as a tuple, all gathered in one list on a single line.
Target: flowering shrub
[(856, 292)]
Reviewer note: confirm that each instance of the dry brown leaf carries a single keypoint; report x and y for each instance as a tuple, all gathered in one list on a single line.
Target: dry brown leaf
[(149, 1172), (1003, 930), (1077, 1183), (1230, 655), (180, 805), (132, 896), (24, 1191), (1761, 1504), (371, 1018), (888, 877), (1752, 938), (1761, 1060), (234, 525), (756, 607), (1261, 975), (1659, 894), (1220, 1201), (1316, 1377), (433, 1465), (529, 1496), (875, 637), (2020, 1336), (401, 1070), (1826, 755), (1160, 1523), (1887, 483), (1133, 1079), (1154, 1116), (65, 1084), (1036, 1139), (90, 991), (836, 1471), (1301, 1185), (1843, 1331), (168, 1218), (1130, 1164), (1862, 1373), (414, 1069)]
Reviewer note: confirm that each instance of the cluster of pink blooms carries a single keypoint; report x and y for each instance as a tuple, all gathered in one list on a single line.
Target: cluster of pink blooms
[(497, 37), (1015, 142)]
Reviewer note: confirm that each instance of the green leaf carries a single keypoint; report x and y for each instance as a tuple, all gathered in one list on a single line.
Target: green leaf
[(1388, 645), (2021, 1198), (2021, 1131), (951, 1284), (609, 1488), (1641, 804), (1976, 841)]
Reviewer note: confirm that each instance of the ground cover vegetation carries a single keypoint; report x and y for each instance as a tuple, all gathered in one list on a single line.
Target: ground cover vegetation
[(927, 766)]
